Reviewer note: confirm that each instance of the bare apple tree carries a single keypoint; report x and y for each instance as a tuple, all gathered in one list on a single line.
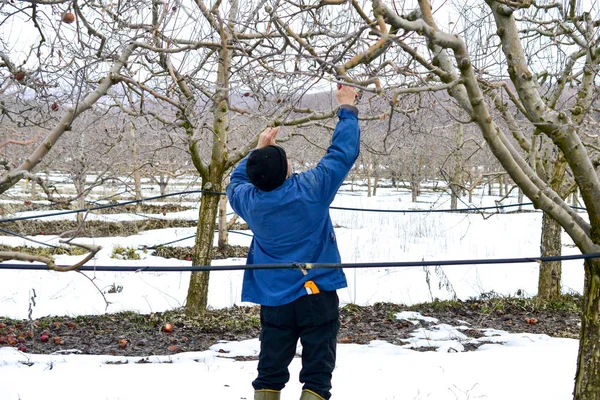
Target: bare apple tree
[(567, 125), (209, 71), (51, 76)]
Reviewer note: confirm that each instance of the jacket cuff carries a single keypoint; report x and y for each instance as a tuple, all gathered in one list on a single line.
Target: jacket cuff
[(350, 108)]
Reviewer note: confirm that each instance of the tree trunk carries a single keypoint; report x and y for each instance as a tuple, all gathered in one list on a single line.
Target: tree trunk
[(575, 198), (375, 183), (520, 200), (472, 186), (453, 196), (197, 298), (135, 157), (33, 189), (137, 182), (162, 180), (212, 180), (549, 283), (369, 164), (414, 188), (415, 179), (162, 186), (79, 180), (223, 232), (550, 272), (455, 183), (374, 165), (587, 378)]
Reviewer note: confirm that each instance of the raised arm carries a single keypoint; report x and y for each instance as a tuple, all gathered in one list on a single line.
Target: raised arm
[(333, 168)]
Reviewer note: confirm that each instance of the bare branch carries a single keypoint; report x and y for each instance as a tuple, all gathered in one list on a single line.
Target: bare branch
[(11, 178)]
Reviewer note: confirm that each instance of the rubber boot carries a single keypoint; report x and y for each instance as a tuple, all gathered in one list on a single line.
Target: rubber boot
[(266, 394), (310, 395)]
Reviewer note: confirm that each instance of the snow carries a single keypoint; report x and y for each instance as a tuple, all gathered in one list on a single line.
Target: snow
[(506, 366)]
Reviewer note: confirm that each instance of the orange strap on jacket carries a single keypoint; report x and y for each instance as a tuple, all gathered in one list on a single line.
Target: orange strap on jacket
[(311, 287)]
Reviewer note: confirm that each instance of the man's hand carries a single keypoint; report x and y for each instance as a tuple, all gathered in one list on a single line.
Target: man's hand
[(267, 137), (346, 95)]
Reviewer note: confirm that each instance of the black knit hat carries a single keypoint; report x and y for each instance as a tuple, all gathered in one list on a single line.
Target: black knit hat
[(267, 167)]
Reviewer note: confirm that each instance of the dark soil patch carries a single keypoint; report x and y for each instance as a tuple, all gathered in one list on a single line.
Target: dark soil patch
[(97, 228), (91, 228), (185, 253), (45, 251), (111, 208), (134, 334), (559, 318), (141, 208), (239, 227)]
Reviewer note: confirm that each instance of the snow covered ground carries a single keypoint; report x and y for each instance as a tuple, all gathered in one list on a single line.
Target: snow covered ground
[(525, 366)]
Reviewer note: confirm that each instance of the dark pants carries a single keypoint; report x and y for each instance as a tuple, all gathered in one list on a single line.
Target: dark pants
[(314, 319)]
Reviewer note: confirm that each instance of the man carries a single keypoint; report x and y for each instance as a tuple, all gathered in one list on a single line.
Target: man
[(289, 216)]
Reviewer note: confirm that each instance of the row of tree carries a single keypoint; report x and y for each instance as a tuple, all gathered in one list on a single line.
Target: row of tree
[(109, 149)]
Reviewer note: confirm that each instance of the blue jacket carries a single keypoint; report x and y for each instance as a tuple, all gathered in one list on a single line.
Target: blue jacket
[(292, 222)]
